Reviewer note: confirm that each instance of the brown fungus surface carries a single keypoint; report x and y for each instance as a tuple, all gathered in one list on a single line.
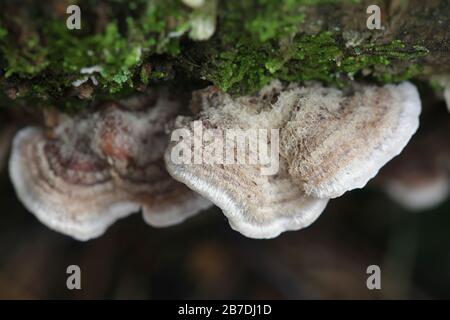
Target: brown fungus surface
[(329, 142), (87, 171), (336, 142)]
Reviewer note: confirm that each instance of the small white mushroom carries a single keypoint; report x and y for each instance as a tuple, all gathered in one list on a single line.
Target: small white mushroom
[(194, 3), (92, 169), (330, 142), (203, 19), (79, 82), (91, 70)]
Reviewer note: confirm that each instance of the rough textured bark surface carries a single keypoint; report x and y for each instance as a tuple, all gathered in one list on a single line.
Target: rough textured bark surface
[(141, 43)]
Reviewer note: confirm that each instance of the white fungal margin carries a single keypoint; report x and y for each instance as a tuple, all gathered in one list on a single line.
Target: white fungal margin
[(239, 217), (91, 226), (358, 173)]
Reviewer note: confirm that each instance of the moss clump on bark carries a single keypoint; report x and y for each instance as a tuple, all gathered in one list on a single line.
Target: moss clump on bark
[(249, 65), (52, 57), (129, 45)]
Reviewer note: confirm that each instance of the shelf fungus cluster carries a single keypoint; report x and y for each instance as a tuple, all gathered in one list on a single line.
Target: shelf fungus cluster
[(82, 173), (270, 161), (330, 142)]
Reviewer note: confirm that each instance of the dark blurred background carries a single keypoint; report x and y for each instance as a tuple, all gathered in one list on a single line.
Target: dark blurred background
[(205, 258)]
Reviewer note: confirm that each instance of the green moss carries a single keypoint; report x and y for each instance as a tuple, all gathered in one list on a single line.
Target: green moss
[(272, 45), (3, 33), (377, 59), (114, 54), (117, 51), (314, 57), (143, 42), (27, 60), (275, 19), (247, 67)]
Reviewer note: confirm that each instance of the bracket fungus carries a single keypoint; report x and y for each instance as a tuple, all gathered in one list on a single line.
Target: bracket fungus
[(418, 179), (335, 142), (330, 142), (420, 190), (87, 171), (256, 205)]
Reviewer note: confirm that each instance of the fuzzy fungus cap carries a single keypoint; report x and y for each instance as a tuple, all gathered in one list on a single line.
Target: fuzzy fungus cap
[(329, 142), (335, 142), (256, 205), (94, 168)]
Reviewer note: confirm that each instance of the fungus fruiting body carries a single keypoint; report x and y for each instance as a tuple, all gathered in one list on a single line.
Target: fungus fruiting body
[(270, 161), (337, 142), (194, 3), (330, 142), (256, 205), (419, 179), (87, 171), (424, 193)]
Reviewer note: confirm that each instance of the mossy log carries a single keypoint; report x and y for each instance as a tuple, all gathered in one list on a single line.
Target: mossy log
[(127, 46)]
